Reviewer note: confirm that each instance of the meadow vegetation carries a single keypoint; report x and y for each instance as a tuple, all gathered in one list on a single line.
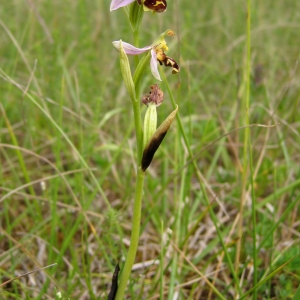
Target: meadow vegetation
[(221, 198)]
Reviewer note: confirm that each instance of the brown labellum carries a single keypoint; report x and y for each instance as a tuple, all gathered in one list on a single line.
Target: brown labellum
[(158, 6), (163, 59), (155, 96), (170, 62)]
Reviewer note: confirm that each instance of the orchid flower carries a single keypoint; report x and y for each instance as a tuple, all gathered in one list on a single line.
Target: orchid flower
[(148, 5), (158, 55)]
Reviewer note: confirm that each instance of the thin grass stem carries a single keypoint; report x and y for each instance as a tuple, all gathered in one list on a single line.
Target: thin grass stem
[(200, 180), (249, 147)]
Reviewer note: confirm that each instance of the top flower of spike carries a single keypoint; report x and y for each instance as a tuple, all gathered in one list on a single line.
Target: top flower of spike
[(158, 55), (158, 6)]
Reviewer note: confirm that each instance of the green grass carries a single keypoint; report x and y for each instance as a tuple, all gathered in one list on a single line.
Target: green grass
[(67, 150)]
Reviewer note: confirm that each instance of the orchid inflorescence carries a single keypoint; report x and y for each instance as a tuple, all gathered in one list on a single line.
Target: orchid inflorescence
[(157, 49), (149, 138)]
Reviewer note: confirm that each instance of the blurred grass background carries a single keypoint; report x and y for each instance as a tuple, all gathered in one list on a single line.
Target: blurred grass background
[(67, 150)]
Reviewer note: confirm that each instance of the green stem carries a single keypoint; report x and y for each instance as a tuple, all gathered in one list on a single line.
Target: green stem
[(135, 234), (137, 207), (137, 105), (138, 129), (136, 34)]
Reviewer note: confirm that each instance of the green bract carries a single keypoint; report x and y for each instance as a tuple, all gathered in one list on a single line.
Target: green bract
[(126, 73)]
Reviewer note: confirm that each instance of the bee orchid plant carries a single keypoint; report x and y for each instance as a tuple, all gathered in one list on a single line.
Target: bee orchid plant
[(148, 136)]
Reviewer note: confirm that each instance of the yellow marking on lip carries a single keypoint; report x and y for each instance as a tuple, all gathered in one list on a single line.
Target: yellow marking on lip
[(159, 2)]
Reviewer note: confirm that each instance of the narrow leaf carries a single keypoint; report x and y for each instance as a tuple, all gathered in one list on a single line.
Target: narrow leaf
[(114, 284), (268, 277), (297, 294)]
